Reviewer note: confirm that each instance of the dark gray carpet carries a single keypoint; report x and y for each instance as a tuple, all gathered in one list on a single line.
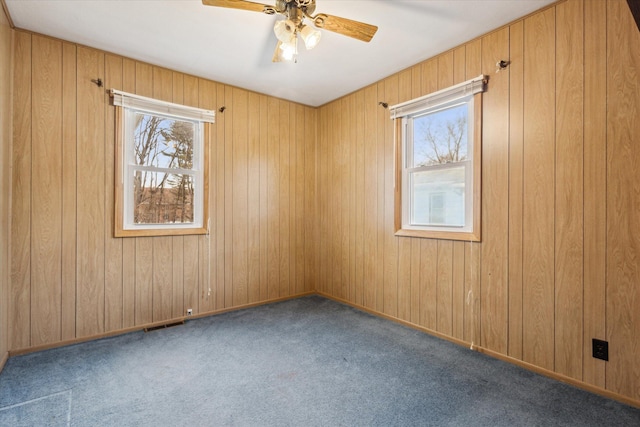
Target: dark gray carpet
[(303, 362)]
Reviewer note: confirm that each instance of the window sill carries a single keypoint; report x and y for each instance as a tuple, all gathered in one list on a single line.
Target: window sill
[(160, 232), (442, 235)]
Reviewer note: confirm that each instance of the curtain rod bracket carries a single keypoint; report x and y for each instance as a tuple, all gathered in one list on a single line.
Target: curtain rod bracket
[(501, 65), (97, 81), (384, 104), (222, 109)]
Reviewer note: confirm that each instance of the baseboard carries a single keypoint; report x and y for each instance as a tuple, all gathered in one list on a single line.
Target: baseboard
[(34, 349), (3, 360), (547, 373)]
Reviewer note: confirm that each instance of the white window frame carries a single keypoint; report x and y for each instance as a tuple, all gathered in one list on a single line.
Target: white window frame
[(127, 106), (467, 93)]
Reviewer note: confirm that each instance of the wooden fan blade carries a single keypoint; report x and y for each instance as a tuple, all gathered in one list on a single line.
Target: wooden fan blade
[(346, 27), (241, 4)]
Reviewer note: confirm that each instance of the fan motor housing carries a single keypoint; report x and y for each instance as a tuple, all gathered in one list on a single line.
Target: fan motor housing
[(285, 7)]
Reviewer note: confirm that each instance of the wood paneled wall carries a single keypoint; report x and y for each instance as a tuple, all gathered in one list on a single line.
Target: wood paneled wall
[(5, 167), (558, 262), (301, 199), (70, 277)]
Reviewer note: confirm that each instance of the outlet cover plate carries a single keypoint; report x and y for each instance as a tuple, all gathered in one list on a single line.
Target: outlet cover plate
[(600, 349)]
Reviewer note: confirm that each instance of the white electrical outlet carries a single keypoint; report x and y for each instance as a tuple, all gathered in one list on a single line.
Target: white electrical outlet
[(189, 311)]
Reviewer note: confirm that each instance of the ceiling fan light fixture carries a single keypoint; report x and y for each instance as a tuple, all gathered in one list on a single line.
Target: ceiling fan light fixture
[(310, 37), (286, 52), (285, 30), (290, 49)]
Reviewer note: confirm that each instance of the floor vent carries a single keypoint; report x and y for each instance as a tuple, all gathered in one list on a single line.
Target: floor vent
[(166, 325)]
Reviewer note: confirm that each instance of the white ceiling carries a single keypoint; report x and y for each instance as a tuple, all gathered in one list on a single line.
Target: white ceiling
[(235, 46)]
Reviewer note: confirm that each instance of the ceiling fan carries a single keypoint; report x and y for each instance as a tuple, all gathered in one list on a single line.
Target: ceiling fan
[(295, 12)]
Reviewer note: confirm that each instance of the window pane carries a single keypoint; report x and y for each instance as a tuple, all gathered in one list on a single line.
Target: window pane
[(160, 198), (440, 137), (438, 197), (163, 142)]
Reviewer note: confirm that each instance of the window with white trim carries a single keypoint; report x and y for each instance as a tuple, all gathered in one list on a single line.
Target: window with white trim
[(438, 159), (161, 167)]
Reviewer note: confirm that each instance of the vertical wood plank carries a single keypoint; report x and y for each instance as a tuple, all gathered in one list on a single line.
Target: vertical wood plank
[(460, 65), (20, 289), (228, 197), (162, 278), (207, 294), (445, 70), (284, 212), (429, 284), (595, 187), (623, 202), (254, 164), (444, 287), (404, 278), (6, 55), (472, 324), (457, 294), (390, 260), (416, 281), (91, 195), (348, 131), (516, 162), (538, 173), (495, 193), (471, 317), (381, 117), (370, 201), (300, 186), (191, 267), (264, 204), (209, 288), (69, 172), (144, 280), (293, 196), (178, 276), (322, 200), (358, 218), (569, 189), (46, 190), (291, 204), (273, 200), (113, 287), (341, 207), (328, 202), (351, 190), (336, 230), (190, 255), (311, 197), (240, 199)]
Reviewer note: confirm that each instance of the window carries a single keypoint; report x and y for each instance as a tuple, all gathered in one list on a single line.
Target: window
[(438, 163), (161, 167)]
